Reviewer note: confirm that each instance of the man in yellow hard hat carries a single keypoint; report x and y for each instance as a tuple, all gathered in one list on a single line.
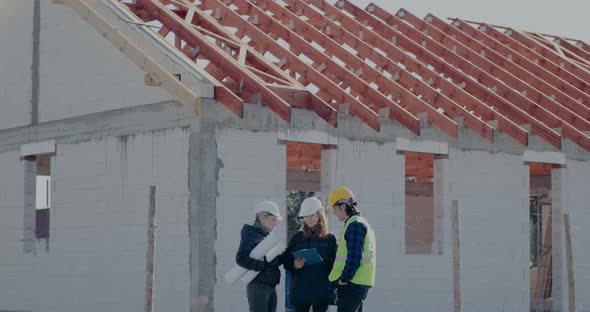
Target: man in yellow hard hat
[(354, 268)]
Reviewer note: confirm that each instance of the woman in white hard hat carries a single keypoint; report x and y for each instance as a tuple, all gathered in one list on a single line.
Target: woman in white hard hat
[(261, 292), (309, 285)]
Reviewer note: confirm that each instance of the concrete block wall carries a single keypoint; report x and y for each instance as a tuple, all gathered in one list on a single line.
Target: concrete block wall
[(575, 202), (492, 190), (81, 72), (253, 168), (15, 63), (376, 173), (76, 71), (12, 268), (97, 247)]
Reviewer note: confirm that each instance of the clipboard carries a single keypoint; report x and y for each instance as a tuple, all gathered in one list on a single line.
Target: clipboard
[(311, 256)]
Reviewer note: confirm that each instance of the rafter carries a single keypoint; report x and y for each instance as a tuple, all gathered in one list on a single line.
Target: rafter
[(370, 74), (525, 95), (560, 49), (503, 107), (583, 45), (322, 57), (219, 58), (350, 34), (354, 74), (573, 48), (470, 62), (547, 53), (259, 26), (190, 26), (538, 77), (576, 87), (530, 83)]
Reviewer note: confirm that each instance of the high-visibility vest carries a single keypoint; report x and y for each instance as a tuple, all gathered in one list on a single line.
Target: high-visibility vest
[(365, 275)]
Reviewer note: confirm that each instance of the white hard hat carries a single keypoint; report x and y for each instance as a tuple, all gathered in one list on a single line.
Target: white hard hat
[(269, 207), (310, 206)]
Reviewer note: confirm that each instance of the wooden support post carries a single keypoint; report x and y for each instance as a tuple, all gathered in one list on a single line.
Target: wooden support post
[(571, 289), (151, 252), (456, 257)]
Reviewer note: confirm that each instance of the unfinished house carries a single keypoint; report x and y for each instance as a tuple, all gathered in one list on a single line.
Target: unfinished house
[(136, 136)]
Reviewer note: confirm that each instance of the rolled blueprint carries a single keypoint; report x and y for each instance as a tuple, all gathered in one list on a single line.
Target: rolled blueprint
[(234, 274), (270, 255), (257, 253)]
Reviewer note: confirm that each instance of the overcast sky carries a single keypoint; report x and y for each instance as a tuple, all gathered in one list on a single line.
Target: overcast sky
[(567, 18)]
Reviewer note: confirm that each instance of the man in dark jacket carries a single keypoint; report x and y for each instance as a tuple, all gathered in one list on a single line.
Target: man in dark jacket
[(261, 292)]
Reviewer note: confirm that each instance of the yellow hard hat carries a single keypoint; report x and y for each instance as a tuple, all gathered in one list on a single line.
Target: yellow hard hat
[(338, 194)]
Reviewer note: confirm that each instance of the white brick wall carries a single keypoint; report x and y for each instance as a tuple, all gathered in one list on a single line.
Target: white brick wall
[(81, 72), (96, 258), (11, 232), (492, 190), (15, 63), (576, 204), (254, 169)]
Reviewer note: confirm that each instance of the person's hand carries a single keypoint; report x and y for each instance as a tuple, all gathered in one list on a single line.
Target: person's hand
[(275, 263), (341, 283), (298, 263)]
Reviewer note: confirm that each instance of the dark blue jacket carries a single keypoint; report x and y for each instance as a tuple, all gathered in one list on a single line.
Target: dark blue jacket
[(310, 284), (269, 272)]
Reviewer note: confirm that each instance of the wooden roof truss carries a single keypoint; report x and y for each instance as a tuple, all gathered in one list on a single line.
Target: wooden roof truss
[(327, 57)]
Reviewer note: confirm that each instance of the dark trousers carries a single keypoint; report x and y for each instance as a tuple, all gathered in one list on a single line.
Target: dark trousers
[(262, 298), (304, 307), (350, 299)]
